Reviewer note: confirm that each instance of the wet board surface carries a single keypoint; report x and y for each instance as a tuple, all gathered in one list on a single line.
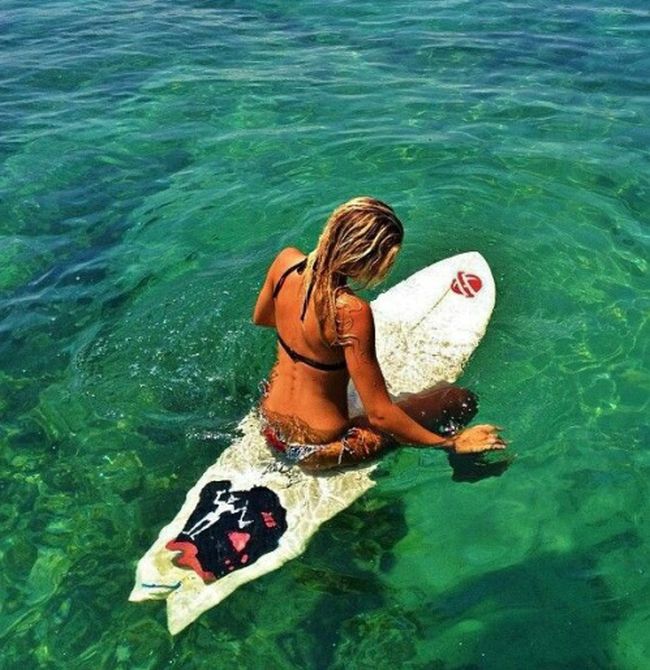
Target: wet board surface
[(250, 513)]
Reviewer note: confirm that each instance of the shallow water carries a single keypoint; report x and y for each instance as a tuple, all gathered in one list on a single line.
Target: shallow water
[(154, 158)]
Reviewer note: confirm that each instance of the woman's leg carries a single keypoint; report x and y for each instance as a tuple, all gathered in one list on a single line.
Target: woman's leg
[(361, 442), (443, 409)]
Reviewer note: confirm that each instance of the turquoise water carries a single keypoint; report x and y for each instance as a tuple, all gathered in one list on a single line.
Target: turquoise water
[(154, 158)]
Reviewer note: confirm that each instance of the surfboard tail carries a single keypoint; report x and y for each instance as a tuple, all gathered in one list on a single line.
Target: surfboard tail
[(187, 595), (151, 585)]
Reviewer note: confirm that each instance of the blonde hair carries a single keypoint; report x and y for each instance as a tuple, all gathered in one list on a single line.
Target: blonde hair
[(360, 241)]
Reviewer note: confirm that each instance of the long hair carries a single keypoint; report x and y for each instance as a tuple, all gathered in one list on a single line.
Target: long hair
[(360, 241)]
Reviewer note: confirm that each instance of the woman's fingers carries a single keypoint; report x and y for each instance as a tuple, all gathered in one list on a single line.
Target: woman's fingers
[(492, 433), (483, 437), (483, 426), (496, 443)]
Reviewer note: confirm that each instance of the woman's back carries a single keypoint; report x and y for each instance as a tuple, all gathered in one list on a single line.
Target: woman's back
[(307, 386)]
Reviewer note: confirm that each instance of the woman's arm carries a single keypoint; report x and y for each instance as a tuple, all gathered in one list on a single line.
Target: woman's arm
[(356, 326), (264, 311)]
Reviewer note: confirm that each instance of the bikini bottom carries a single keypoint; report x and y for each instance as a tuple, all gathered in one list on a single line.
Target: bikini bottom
[(296, 452), (356, 442)]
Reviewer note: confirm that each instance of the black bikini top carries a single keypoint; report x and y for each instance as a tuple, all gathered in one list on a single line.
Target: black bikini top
[(294, 355)]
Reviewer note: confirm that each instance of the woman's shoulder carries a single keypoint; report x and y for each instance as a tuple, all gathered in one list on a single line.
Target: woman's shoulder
[(288, 256), (284, 260), (353, 314), (346, 298)]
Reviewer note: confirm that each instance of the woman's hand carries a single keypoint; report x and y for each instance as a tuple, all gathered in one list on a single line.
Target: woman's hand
[(483, 437)]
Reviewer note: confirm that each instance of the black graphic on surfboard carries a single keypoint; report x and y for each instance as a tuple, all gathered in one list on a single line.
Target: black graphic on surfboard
[(229, 530)]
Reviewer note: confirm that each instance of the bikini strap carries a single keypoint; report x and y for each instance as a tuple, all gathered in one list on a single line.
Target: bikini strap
[(305, 304), (311, 362), (298, 267)]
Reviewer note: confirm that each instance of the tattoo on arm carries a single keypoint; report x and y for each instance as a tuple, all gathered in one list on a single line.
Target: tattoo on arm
[(348, 313)]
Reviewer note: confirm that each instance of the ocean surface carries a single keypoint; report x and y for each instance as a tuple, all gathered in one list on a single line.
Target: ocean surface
[(154, 158)]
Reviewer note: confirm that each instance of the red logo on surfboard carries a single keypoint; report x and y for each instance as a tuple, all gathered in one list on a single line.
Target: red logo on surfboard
[(466, 284)]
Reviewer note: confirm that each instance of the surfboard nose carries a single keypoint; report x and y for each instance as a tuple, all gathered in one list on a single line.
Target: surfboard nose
[(428, 325)]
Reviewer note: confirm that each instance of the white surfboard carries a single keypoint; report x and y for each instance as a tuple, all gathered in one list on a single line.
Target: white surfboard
[(250, 513)]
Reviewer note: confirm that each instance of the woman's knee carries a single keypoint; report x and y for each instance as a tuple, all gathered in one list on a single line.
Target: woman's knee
[(463, 403), (459, 408), (441, 406)]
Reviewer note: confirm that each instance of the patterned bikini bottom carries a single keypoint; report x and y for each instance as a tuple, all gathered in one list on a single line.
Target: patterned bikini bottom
[(295, 452)]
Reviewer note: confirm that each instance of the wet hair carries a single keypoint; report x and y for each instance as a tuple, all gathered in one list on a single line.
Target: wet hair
[(360, 241)]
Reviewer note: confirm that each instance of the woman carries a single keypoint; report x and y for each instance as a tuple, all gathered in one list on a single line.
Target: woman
[(326, 336)]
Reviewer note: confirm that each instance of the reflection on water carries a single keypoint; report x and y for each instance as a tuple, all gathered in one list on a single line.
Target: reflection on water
[(475, 467)]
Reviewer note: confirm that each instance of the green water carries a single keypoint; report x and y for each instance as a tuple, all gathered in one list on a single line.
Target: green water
[(155, 156)]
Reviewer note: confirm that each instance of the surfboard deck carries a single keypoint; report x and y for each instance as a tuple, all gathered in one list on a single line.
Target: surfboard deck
[(250, 513)]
